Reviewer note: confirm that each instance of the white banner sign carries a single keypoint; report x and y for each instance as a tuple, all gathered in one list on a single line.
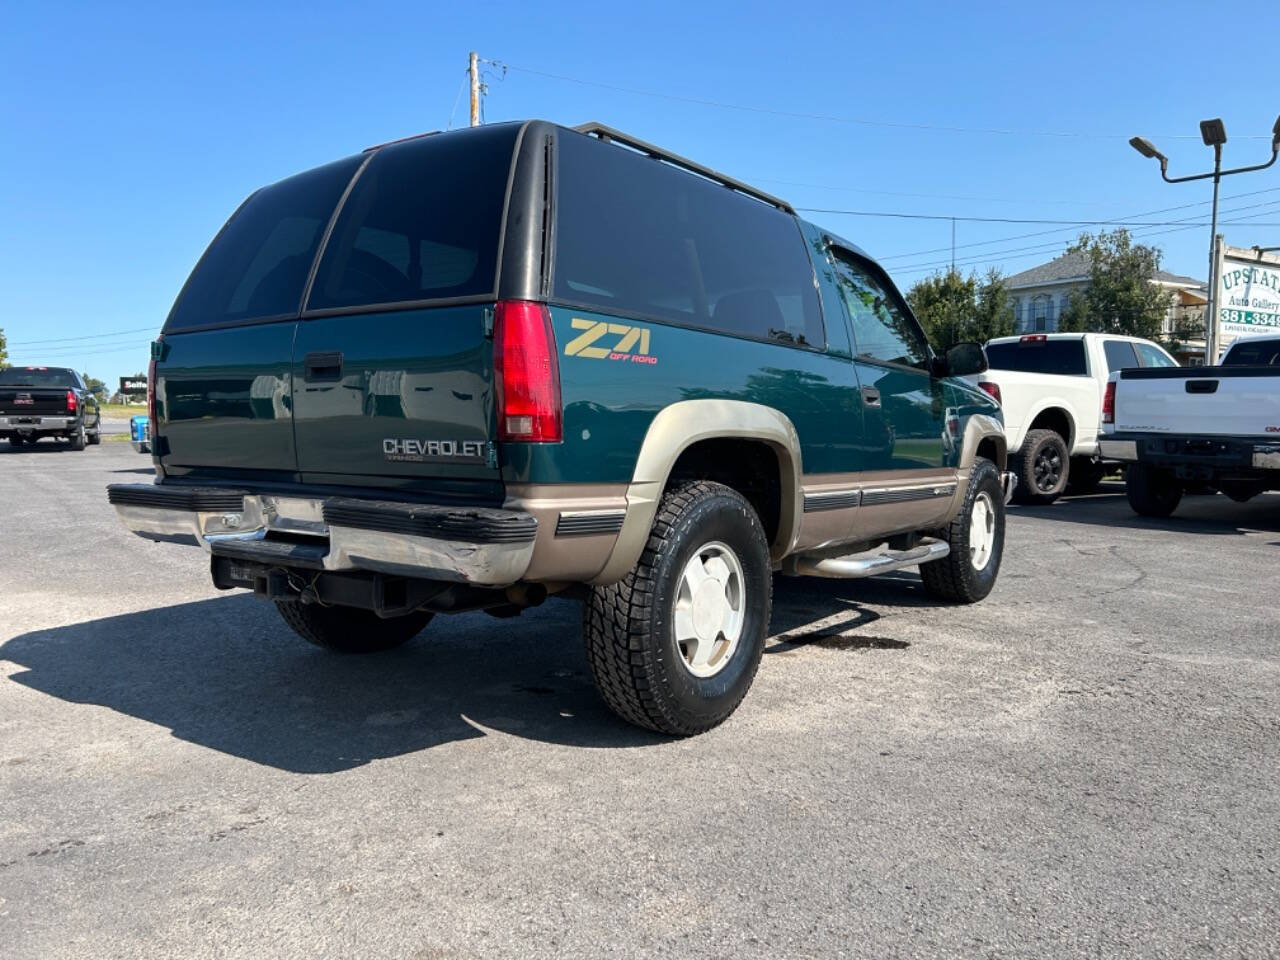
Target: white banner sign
[(1248, 295)]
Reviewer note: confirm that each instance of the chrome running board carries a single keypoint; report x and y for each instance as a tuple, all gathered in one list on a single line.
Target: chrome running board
[(869, 563)]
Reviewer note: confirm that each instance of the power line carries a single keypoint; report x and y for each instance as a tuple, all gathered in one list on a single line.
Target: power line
[(1043, 233), (1070, 223), (857, 121), (92, 336)]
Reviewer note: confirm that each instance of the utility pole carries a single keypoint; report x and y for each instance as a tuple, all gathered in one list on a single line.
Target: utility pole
[(1214, 134), (474, 71), (953, 244)]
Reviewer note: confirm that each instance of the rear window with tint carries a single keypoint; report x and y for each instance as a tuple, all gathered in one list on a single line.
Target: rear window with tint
[(1245, 354), (1120, 355), (1063, 357), (635, 236), (56, 377), (258, 265), (422, 223)]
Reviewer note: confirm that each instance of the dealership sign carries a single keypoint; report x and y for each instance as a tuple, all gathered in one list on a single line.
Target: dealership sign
[(133, 386), (1248, 294)]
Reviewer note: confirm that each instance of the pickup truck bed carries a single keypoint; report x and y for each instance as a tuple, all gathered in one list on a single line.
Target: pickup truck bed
[(1215, 427)]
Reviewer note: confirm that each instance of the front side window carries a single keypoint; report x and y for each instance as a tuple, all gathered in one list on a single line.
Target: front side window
[(257, 266), (882, 328), (636, 236), (1153, 356), (422, 223)]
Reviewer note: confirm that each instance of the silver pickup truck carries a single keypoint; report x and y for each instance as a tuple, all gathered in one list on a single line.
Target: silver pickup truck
[(1202, 427)]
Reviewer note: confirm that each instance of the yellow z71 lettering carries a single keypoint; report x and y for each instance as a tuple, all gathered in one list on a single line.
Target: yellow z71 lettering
[(632, 343)]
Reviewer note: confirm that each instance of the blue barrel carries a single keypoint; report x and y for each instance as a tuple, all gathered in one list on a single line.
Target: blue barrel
[(140, 433)]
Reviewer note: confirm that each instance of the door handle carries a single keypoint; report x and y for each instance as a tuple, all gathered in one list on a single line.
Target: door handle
[(871, 396), (322, 366)]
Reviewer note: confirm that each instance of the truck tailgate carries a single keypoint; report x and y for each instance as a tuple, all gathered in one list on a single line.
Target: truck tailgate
[(1206, 401)]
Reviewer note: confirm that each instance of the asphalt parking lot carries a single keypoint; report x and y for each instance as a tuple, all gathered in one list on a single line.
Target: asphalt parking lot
[(1083, 765)]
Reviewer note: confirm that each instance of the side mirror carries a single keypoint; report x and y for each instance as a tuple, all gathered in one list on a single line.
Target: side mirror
[(964, 359), (96, 391)]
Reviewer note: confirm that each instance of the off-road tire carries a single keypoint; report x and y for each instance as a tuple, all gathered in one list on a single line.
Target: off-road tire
[(1151, 492), (953, 578), (78, 439), (1085, 475), (1037, 444), (629, 626), (349, 630)]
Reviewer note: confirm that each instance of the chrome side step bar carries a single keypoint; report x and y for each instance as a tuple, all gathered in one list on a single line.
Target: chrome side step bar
[(868, 564)]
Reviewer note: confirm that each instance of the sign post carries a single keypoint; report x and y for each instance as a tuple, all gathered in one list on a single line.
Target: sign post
[(1247, 301)]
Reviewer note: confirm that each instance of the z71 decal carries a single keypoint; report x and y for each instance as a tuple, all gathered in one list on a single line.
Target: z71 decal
[(631, 343)]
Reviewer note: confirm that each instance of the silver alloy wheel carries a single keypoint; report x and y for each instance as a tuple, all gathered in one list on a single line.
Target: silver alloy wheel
[(710, 609), (982, 531)]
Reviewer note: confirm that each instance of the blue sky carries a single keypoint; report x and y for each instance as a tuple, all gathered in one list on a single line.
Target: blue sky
[(131, 131)]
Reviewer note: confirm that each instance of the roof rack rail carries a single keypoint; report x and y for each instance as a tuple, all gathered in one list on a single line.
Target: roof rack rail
[(608, 134)]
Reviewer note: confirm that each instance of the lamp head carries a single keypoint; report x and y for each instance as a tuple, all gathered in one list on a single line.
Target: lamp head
[(1148, 149), (1213, 133)]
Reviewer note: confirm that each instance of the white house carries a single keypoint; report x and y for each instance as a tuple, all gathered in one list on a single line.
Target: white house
[(1040, 295)]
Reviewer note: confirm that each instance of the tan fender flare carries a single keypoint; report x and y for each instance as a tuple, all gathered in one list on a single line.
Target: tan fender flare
[(674, 430), (983, 427)]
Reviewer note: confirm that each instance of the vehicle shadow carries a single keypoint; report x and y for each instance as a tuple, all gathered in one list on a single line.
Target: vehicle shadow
[(227, 674), (1200, 514), (44, 446)]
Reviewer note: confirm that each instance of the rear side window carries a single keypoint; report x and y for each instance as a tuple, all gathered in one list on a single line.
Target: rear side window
[(1120, 355), (636, 236), (258, 265), (1062, 357), (422, 223), (1153, 356), (1246, 354)]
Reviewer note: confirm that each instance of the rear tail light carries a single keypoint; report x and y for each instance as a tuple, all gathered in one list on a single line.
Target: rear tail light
[(991, 388), (71, 402), (1109, 403), (526, 373), (151, 394)]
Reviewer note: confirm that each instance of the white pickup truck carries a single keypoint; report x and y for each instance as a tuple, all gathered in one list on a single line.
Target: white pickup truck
[(1197, 427), (1050, 386)]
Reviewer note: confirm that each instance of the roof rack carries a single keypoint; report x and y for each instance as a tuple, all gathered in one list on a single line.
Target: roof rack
[(608, 135)]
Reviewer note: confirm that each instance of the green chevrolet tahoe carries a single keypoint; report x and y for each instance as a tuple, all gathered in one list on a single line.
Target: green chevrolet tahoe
[(469, 370)]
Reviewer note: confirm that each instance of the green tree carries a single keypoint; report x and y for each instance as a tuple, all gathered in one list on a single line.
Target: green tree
[(952, 307), (4, 351), (92, 382), (1120, 296)]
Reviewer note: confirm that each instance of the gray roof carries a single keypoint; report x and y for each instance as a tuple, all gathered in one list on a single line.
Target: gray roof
[(1075, 266)]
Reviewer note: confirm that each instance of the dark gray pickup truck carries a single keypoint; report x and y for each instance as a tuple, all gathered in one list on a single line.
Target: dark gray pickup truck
[(40, 402)]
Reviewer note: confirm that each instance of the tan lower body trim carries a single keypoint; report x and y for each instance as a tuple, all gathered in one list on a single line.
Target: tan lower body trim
[(571, 557)]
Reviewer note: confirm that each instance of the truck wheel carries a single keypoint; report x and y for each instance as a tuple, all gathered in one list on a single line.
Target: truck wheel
[(78, 439), (1041, 466), (349, 630), (1151, 492), (976, 538), (675, 644), (95, 438), (1085, 475)]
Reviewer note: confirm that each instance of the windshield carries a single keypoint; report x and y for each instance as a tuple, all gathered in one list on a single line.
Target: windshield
[(1263, 353), (38, 377), (1063, 357)]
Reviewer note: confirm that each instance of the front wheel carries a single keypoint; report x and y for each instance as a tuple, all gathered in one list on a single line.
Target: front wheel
[(349, 630), (675, 645), (976, 538), (1151, 492)]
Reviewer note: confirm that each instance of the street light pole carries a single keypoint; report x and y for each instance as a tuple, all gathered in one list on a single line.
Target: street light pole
[(1214, 134)]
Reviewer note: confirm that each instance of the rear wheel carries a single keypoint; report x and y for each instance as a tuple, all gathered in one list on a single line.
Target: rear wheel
[(78, 439), (348, 630), (1041, 466), (1151, 492), (976, 538), (95, 437), (675, 645)]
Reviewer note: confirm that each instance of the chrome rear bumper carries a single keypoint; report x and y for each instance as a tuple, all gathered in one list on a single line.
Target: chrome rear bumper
[(478, 545)]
